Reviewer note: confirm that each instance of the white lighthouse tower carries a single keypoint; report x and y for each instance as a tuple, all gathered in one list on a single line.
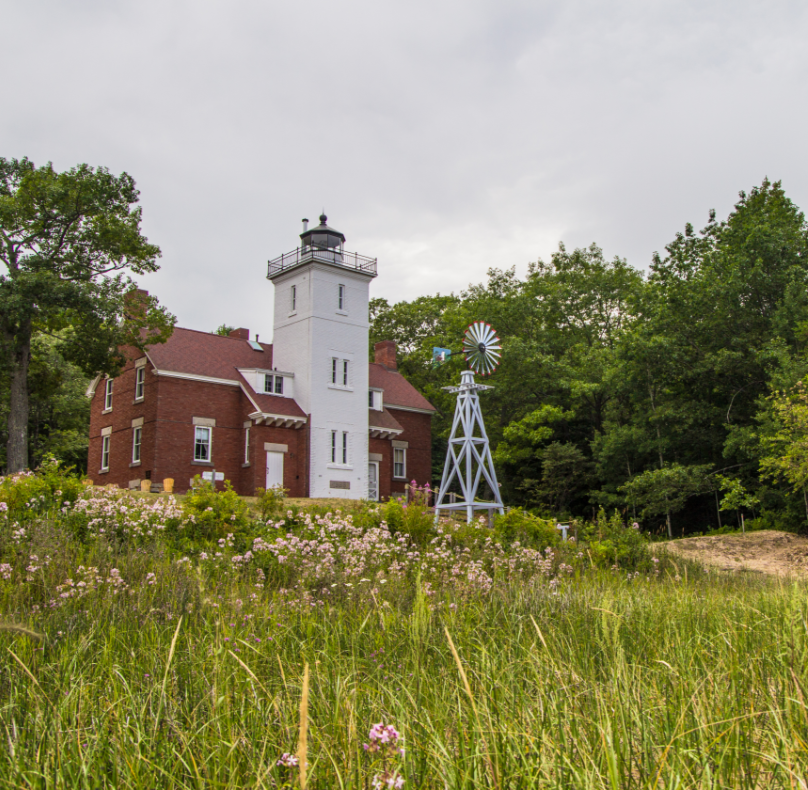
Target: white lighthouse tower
[(321, 337)]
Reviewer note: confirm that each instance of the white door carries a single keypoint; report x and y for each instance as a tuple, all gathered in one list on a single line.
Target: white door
[(274, 470), (373, 481)]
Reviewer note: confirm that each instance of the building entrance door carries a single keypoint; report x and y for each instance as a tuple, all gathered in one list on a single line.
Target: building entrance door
[(274, 470), (373, 481)]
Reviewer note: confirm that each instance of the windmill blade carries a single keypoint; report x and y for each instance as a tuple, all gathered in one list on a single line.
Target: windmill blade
[(482, 348)]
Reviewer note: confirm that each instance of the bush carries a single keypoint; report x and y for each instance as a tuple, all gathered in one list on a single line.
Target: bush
[(612, 542), (414, 519), (28, 495), (532, 531), (270, 501), (212, 514)]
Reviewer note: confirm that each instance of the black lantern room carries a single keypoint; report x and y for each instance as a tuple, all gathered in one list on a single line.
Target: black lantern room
[(322, 237)]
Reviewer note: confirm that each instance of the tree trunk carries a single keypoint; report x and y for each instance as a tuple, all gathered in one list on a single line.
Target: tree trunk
[(718, 509), (17, 447)]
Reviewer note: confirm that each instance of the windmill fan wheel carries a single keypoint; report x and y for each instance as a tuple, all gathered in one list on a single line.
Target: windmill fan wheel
[(482, 348)]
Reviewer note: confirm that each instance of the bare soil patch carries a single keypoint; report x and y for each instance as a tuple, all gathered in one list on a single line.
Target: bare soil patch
[(768, 551)]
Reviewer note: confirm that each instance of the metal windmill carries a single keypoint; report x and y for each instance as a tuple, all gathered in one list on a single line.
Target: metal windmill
[(468, 457)]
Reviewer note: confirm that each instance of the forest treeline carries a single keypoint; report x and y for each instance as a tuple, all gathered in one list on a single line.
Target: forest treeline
[(676, 396), (670, 395)]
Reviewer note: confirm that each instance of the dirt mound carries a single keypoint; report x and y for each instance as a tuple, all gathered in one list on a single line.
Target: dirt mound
[(768, 551)]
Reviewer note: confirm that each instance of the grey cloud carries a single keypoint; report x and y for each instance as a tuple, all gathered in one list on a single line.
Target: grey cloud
[(444, 137)]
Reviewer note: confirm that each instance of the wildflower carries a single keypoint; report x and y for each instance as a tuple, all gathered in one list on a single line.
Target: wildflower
[(288, 760)]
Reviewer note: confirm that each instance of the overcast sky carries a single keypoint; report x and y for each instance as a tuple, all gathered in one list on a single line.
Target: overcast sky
[(442, 137)]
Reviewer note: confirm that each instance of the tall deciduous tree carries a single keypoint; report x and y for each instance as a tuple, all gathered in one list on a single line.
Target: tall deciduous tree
[(67, 240)]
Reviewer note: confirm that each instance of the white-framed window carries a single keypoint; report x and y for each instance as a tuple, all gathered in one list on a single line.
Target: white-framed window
[(105, 453), (339, 372), (294, 298), (400, 462), (273, 384), (140, 383), (137, 437), (246, 445), (108, 394), (345, 448), (375, 400), (341, 297), (202, 436), (333, 447)]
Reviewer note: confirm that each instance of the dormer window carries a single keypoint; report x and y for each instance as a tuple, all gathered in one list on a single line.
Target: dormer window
[(273, 384), (375, 400)]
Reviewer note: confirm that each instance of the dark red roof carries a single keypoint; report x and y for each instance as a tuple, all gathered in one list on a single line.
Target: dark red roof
[(397, 390), (204, 354), (271, 404), (383, 420)]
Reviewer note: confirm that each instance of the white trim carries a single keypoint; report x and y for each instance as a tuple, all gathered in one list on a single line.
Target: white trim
[(403, 451), (283, 373), (140, 371), (383, 433), (106, 442), (109, 393), (410, 408), (137, 433), (174, 374), (280, 420), (90, 391), (209, 429)]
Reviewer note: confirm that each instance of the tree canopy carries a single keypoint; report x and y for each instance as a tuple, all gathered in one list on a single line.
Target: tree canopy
[(627, 390), (67, 241)]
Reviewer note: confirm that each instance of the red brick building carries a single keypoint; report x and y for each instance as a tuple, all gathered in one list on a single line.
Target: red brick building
[(192, 406), (309, 412)]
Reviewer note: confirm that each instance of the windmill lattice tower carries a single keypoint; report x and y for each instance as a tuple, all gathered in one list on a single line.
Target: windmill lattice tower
[(468, 456)]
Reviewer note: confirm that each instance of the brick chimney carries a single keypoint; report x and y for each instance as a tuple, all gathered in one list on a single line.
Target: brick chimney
[(385, 352), (241, 333)]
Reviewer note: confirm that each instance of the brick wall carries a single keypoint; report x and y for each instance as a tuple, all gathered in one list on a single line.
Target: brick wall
[(124, 410), (418, 433), (167, 445)]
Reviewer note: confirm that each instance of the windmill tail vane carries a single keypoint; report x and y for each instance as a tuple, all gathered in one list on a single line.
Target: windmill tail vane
[(440, 355)]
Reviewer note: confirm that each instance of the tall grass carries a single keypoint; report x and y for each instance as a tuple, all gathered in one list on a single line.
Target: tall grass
[(700, 683)]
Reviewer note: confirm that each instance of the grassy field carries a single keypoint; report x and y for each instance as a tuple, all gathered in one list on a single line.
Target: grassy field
[(496, 667)]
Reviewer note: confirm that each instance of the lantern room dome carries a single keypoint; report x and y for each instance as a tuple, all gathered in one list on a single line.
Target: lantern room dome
[(322, 237)]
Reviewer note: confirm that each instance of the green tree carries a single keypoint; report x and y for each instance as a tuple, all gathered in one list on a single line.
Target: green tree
[(786, 447), (224, 330), (665, 491), (66, 239)]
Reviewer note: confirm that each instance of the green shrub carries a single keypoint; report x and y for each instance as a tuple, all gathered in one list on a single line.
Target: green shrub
[(612, 542), (529, 530), (30, 495), (270, 501), (414, 519), (211, 514)]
